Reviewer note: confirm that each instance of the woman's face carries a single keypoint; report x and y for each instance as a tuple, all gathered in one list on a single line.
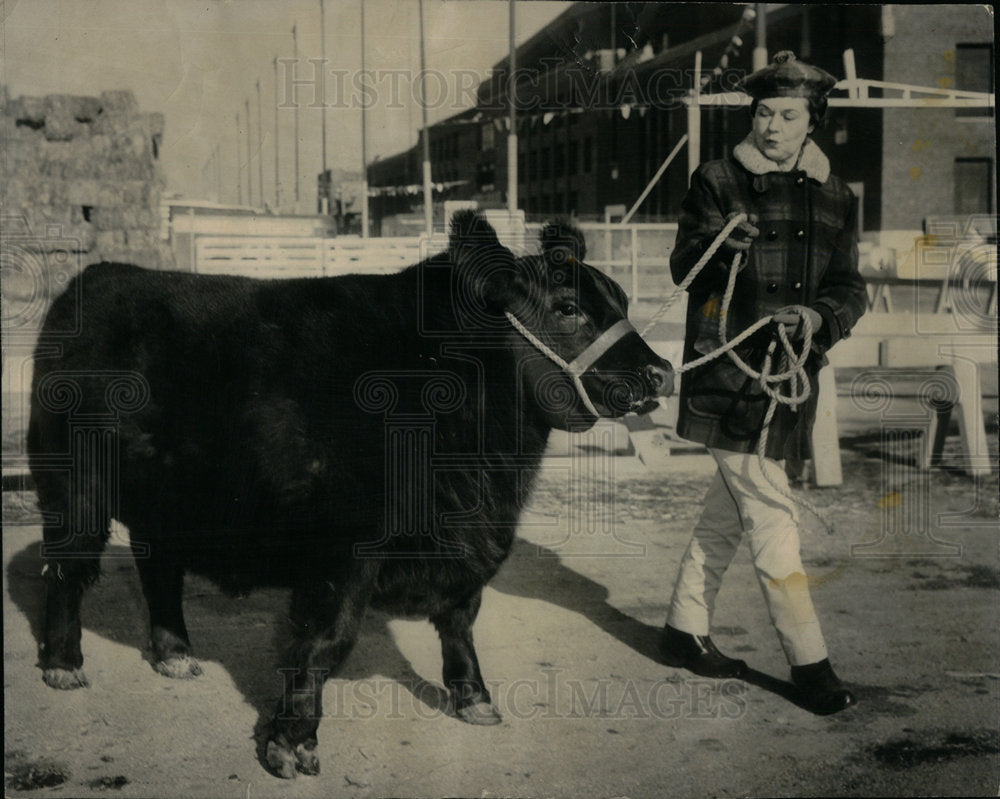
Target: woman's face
[(780, 126)]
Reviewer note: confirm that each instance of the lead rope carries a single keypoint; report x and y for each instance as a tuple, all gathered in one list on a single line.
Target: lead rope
[(791, 364)]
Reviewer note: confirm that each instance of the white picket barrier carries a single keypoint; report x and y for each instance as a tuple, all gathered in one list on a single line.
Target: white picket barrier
[(281, 257)]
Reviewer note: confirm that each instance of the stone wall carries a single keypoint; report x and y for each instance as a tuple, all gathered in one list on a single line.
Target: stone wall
[(80, 182)]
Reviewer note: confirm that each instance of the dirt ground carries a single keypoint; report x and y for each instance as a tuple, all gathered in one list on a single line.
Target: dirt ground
[(906, 587)]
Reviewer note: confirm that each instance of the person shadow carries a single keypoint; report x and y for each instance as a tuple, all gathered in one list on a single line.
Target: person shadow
[(535, 572), (224, 628)]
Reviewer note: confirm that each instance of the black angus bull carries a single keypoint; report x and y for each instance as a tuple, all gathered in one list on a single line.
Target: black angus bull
[(363, 440)]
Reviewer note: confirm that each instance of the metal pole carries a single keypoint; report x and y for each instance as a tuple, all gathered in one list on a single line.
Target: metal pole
[(325, 207), (851, 73), (512, 133), (218, 172), (277, 184), (428, 198), (364, 151), (760, 46), (694, 118), (656, 177), (239, 169), (295, 47), (246, 104), (260, 147)]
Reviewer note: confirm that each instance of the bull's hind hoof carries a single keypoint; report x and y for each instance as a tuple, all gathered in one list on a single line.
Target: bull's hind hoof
[(480, 713), (286, 763), (179, 668), (65, 679)]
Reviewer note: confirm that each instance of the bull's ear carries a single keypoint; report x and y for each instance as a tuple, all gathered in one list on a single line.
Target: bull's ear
[(470, 229), (484, 269), (560, 240)]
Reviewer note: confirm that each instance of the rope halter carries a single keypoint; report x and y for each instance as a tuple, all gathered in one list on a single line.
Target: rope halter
[(582, 362)]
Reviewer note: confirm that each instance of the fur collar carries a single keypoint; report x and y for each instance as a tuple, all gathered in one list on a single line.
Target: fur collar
[(812, 161)]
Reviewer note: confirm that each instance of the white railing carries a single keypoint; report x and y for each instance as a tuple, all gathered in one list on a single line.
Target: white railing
[(261, 256), (636, 255)]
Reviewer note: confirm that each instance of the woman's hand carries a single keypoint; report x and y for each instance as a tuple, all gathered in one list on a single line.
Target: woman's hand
[(793, 318), (743, 234)]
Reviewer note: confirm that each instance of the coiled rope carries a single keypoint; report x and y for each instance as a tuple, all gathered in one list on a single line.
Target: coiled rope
[(790, 374)]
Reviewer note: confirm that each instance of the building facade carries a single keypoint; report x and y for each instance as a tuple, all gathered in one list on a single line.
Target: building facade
[(599, 97)]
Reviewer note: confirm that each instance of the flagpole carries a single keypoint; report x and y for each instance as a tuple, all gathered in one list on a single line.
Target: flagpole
[(512, 133), (364, 151), (295, 65), (277, 190), (260, 147), (428, 199), (246, 104), (239, 177), (325, 201)]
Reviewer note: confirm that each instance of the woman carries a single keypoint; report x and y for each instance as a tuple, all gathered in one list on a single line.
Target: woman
[(798, 247)]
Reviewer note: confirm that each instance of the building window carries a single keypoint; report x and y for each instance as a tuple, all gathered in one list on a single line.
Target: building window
[(572, 163), (973, 186), (974, 73), (545, 165), (571, 201), (520, 168), (533, 165), (588, 154), (486, 136), (559, 160)]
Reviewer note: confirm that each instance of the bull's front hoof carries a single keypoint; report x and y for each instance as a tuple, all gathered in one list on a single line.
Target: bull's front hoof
[(65, 679), (179, 668), (286, 764), (308, 760), (482, 714)]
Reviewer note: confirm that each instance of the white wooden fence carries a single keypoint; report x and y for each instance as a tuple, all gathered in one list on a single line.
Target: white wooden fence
[(261, 256), (636, 255)]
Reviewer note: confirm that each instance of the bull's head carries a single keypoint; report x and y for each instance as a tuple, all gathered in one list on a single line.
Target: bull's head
[(580, 358)]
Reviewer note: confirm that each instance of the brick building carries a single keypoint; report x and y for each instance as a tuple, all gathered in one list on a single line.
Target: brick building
[(599, 94), (938, 161)]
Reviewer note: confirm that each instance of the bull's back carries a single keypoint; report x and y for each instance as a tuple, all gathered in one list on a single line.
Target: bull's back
[(125, 338), (220, 391)]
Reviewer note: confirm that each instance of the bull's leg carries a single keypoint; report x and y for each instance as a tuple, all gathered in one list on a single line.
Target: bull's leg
[(461, 666), (61, 657), (71, 552), (326, 617), (163, 584)]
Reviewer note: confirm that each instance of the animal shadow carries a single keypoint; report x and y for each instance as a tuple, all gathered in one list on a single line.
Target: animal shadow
[(225, 629), (246, 635)]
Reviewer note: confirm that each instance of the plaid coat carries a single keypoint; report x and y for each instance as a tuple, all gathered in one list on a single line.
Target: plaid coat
[(806, 254)]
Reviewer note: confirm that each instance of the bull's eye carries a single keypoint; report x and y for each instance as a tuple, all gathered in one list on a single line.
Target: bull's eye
[(567, 309)]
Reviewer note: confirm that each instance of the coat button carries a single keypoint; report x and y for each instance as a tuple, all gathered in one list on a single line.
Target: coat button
[(772, 288), (797, 285), (800, 180), (800, 234), (772, 235)]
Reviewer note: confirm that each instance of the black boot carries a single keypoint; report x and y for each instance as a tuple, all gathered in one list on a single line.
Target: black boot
[(819, 690), (697, 653)]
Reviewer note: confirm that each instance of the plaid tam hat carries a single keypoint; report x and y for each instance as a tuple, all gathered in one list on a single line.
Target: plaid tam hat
[(786, 76)]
